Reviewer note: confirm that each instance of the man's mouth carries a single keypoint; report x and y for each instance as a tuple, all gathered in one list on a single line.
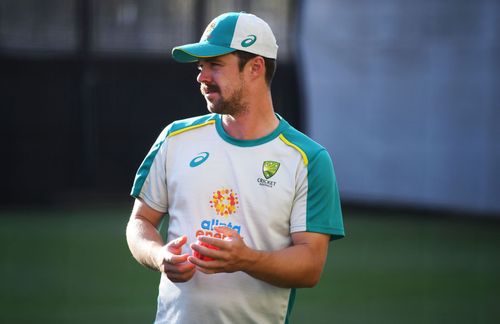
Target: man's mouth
[(206, 90)]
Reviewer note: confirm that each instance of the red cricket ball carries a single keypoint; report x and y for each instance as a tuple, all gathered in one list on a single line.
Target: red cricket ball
[(200, 256)]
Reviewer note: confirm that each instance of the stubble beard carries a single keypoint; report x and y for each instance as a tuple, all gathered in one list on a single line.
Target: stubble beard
[(233, 105)]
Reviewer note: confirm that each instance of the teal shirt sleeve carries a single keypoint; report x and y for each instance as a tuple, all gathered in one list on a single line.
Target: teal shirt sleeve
[(324, 213), (145, 167)]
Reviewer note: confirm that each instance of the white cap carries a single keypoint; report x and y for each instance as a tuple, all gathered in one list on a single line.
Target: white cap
[(230, 32)]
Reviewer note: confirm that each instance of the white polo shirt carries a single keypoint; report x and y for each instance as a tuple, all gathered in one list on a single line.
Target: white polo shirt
[(265, 189)]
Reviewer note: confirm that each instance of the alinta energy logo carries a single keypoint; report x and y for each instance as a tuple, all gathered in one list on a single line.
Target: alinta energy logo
[(269, 169), (224, 202)]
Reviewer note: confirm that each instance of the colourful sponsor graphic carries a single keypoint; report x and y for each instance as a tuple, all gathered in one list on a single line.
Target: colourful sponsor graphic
[(207, 228), (224, 202)]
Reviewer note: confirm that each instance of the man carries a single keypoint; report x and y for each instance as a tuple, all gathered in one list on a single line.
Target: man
[(251, 202)]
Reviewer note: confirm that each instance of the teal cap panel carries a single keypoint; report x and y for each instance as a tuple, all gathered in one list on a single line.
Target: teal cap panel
[(193, 52), (217, 42), (223, 32)]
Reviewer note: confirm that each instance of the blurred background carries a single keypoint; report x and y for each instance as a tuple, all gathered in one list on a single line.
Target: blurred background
[(405, 96)]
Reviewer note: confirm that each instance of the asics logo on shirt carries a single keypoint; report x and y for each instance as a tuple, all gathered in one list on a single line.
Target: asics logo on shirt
[(199, 159)]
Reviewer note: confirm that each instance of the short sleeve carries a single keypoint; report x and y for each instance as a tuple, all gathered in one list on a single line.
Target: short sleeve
[(317, 204), (150, 180)]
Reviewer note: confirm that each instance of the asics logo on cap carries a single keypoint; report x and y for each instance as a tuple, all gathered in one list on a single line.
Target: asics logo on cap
[(249, 40)]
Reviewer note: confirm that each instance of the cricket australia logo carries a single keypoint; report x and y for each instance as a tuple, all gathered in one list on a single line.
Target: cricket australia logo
[(269, 169), (207, 34)]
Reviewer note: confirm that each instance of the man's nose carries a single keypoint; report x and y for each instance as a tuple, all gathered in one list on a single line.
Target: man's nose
[(203, 76)]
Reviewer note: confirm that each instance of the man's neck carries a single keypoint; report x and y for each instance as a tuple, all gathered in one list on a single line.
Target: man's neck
[(258, 121)]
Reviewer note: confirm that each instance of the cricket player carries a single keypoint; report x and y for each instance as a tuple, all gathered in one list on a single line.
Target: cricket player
[(252, 204)]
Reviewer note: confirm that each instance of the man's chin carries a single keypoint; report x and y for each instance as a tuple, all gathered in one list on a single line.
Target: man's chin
[(212, 108)]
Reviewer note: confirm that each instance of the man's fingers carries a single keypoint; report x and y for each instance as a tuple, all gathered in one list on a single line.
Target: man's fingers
[(175, 246), (179, 268), (181, 273), (176, 259), (206, 251), (217, 242), (177, 243), (207, 271), (229, 232), (205, 266)]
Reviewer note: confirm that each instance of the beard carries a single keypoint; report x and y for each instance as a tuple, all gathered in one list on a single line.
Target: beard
[(232, 105)]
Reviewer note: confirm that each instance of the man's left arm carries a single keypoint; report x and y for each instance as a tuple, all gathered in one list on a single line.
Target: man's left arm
[(299, 265)]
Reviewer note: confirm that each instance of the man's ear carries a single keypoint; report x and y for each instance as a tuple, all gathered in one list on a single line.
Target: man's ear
[(257, 67)]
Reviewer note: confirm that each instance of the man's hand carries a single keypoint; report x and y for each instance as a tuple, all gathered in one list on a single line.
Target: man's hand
[(231, 254), (174, 264), (299, 265)]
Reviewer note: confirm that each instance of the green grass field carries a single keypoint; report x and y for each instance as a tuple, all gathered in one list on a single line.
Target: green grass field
[(73, 266)]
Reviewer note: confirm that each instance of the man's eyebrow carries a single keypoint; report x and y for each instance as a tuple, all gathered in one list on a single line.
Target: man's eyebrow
[(212, 60)]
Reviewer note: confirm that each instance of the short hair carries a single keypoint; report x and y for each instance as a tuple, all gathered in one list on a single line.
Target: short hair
[(270, 64)]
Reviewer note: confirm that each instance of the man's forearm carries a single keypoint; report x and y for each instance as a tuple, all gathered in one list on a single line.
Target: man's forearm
[(144, 242), (297, 266)]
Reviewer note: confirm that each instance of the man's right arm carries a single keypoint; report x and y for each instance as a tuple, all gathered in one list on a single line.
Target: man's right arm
[(148, 248), (143, 238)]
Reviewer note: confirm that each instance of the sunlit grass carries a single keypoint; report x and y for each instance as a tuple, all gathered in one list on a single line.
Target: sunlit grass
[(73, 266)]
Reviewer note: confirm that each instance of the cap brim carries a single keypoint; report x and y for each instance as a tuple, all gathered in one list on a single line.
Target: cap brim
[(193, 52)]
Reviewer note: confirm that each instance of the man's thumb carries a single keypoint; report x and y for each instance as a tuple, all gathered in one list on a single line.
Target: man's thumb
[(178, 242)]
